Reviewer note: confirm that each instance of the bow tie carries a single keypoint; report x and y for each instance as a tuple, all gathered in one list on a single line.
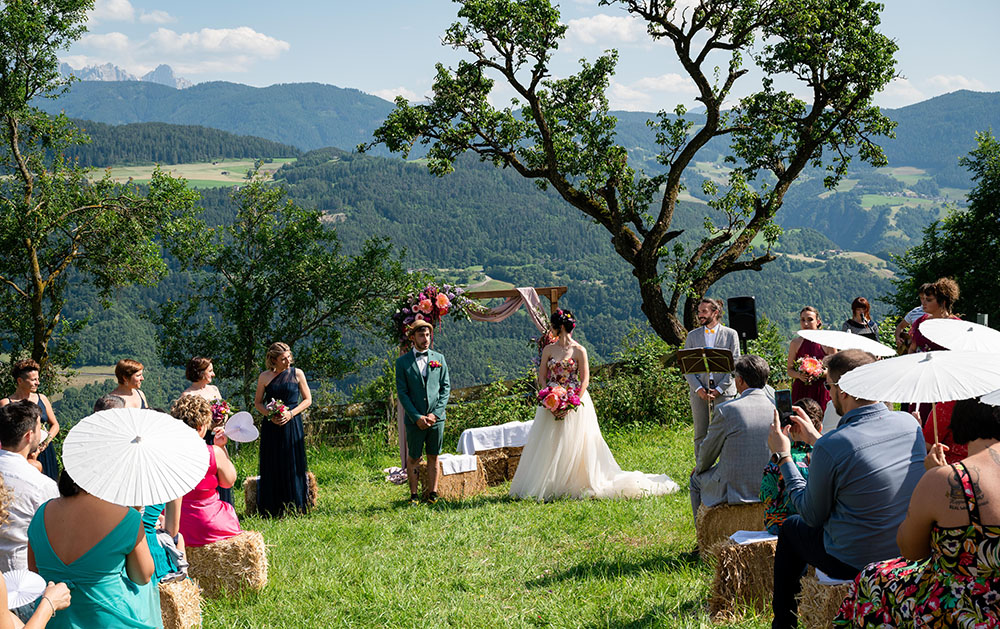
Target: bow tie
[(710, 331), (419, 354)]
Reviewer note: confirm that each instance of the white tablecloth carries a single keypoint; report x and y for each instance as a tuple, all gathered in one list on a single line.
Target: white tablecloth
[(457, 463), (509, 435)]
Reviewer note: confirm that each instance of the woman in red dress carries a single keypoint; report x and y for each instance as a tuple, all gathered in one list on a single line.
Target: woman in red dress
[(804, 385)]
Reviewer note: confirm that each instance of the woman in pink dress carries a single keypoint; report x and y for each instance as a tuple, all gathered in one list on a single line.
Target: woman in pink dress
[(937, 299), (204, 517), (802, 384)]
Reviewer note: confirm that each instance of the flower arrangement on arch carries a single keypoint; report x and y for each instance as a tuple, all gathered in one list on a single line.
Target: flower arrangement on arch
[(431, 303)]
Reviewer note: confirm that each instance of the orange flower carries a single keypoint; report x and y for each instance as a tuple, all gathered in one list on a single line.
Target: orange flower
[(443, 302)]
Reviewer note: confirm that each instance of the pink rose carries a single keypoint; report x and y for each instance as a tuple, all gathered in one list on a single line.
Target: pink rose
[(443, 301), (551, 402), (425, 306)]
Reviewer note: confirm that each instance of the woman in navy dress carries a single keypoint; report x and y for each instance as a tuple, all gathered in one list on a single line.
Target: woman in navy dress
[(282, 484), (25, 373)]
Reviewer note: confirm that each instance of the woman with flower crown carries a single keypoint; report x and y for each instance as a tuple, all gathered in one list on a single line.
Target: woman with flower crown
[(565, 455)]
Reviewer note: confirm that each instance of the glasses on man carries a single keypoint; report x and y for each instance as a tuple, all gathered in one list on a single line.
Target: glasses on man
[(829, 384)]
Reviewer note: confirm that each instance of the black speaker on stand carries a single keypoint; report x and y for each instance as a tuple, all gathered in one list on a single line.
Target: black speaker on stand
[(743, 319)]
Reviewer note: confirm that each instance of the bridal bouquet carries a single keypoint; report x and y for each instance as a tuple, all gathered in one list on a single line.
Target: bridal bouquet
[(558, 398), (221, 411), (812, 368), (275, 408)]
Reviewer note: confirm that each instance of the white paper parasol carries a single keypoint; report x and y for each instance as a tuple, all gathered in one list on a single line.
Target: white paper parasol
[(133, 457), (993, 399), (925, 377), (240, 428), (845, 340), (23, 587), (962, 336)]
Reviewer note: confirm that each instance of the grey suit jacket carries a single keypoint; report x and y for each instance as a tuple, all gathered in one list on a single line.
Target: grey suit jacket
[(725, 338), (734, 453)]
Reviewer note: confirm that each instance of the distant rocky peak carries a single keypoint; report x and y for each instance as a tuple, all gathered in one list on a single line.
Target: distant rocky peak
[(163, 74)]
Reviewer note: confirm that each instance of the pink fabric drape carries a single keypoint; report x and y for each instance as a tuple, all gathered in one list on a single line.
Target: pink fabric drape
[(526, 297)]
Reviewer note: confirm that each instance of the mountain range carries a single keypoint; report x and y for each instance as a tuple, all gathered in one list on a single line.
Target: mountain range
[(162, 74)]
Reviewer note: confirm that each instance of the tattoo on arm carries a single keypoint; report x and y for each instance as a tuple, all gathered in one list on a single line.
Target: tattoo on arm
[(994, 455)]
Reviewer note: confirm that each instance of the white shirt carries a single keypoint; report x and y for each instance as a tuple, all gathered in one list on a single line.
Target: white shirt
[(914, 314), (30, 489), (422, 361), (710, 335)]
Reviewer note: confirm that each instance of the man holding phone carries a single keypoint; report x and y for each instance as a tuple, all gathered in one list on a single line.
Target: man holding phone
[(734, 452)]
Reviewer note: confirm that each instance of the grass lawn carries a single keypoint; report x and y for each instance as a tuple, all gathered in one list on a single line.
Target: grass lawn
[(365, 558), (221, 173)]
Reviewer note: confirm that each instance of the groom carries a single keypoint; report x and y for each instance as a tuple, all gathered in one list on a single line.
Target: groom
[(423, 387)]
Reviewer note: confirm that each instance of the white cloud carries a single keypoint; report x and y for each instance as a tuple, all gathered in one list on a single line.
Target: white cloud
[(156, 17), (106, 42), (651, 93), (242, 42), (950, 83), (899, 93), (111, 11), (606, 30), (391, 94)]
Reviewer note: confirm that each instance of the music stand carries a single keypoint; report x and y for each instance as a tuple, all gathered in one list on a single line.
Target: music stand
[(705, 360)]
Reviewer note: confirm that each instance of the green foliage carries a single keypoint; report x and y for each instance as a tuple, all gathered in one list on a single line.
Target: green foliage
[(963, 245), (156, 142), (560, 132), (772, 347), (276, 274), (642, 390), (53, 220), (498, 404)]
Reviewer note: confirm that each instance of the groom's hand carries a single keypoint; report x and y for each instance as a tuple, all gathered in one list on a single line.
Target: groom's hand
[(431, 419)]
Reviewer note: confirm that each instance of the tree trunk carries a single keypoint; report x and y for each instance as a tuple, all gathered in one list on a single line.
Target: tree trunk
[(664, 321)]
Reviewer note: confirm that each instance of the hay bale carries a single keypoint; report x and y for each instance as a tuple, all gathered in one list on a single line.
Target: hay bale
[(512, 451), (180, 604), (454, 486), (494, 464), (715, 524), (231, 565), (818, 603), (512, 466), (250, 493), (744, 577)]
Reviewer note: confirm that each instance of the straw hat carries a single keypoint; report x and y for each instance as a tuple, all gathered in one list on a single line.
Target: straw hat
[(416, 325)]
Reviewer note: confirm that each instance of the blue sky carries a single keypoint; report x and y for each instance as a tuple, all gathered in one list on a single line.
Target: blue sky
[(392, 49)]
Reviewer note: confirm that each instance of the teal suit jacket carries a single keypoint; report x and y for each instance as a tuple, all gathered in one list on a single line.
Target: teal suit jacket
[(417, 395)]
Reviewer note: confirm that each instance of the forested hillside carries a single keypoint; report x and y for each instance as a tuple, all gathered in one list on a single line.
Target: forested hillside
[(160, 143)]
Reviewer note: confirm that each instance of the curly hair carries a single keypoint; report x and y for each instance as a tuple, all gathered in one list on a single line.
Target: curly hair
[(23, 367), (193, 410), (944, 290), (562, 320)]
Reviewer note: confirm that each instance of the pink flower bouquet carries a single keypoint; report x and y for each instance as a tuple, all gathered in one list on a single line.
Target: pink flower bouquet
[(558, 398), (810, 367), (275, 408), (221, 411)]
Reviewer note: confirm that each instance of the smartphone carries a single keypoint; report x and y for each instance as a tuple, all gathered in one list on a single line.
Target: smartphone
[(783, 402)]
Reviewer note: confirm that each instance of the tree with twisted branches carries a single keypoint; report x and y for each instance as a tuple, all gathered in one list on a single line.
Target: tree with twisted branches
[(559, 132)]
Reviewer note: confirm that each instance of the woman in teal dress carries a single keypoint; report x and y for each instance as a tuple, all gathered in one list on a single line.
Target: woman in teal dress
[(99, 549)]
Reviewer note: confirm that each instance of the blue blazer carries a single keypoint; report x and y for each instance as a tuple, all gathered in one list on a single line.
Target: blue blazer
[(417, 395)]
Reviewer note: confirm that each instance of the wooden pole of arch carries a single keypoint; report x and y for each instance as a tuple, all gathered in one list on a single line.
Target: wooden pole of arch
[(552, 293)]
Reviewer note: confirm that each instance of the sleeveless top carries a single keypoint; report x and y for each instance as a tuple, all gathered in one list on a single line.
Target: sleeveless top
[(565, 373)]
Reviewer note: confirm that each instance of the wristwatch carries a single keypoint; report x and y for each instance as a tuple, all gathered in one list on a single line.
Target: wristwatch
[(777, 456)]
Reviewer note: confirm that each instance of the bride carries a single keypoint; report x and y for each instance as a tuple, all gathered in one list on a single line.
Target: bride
[(566, 454)]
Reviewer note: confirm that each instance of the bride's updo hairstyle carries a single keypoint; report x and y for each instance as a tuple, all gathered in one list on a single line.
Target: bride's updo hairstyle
[(562, 321)]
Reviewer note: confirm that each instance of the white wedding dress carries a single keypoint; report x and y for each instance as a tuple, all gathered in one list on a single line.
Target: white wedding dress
[(569, 458)]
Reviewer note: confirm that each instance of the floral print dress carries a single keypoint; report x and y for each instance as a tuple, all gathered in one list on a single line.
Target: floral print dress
[(957, 586)]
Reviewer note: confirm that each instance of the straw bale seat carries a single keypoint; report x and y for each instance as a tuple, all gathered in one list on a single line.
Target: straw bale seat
[(180, 604), (455, 486), (512, 466), (497, 463), (819, 603), (230, 565), (250, 493), (716, 524), (744, 577)]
